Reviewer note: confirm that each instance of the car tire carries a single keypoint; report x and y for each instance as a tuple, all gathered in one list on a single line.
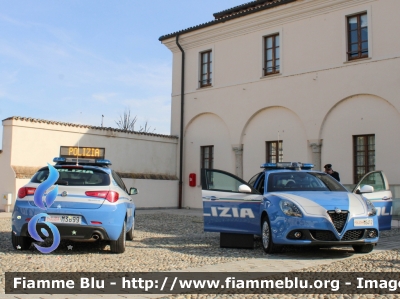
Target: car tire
[(363, 248), (266, 238), (130, 233), (118, 246), (20, 242)]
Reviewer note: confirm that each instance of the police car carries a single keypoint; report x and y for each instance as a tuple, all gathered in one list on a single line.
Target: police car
[(289, 204), (92, 203)]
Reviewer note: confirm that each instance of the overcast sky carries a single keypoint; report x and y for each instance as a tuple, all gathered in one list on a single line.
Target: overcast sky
[(74, 61)]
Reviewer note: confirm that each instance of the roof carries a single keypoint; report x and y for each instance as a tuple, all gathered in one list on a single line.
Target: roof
[(50, 122), (232, 13)]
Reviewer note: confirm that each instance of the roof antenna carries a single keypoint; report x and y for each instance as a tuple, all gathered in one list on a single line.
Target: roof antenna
[(77, 155)]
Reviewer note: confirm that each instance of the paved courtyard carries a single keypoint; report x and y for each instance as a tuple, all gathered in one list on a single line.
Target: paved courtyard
[(174, 241)]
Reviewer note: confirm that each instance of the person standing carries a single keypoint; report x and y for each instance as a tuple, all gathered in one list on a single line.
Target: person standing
[(331, 172)]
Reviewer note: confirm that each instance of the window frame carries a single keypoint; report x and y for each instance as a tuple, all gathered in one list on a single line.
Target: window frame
[(275, 50), (209, 68), (279, 153), (359, 29), (367, 167), (210, 156)]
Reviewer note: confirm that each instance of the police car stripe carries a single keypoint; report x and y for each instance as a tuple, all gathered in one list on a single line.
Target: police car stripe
[(356, 205)]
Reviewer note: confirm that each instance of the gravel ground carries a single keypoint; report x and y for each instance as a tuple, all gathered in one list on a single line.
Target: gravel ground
[(165, 242)]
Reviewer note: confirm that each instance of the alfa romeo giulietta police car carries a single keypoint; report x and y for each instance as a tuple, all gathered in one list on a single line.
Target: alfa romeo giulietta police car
[(92, 204), (289, 204)]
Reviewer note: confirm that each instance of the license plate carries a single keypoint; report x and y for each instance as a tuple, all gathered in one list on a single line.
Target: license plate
[(364, 222), (64, 219)]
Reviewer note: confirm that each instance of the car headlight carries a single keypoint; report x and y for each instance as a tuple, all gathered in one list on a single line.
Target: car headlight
[(290, 209), (370, 207)]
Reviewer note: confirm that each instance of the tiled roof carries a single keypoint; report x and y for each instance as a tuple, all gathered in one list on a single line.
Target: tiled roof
[(50, 122), (233, 13)]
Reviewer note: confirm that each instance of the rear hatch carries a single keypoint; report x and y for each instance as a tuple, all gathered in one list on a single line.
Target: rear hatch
[(79, 187)]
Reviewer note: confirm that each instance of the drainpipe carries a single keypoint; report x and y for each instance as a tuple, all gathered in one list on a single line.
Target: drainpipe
[(181, 134)]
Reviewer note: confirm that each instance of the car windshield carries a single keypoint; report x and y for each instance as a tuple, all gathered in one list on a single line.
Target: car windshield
[(75, 177), (302, 181)]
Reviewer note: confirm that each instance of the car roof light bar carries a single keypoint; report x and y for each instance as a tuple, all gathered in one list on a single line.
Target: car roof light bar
[(59, 159), (288, 165), (62, 160), (103, 161)]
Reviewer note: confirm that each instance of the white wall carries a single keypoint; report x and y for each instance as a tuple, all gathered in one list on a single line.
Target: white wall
[(154, 193), (31, 144)]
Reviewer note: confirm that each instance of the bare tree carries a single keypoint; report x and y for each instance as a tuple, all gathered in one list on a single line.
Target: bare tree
[(146, 128), (126, 122)]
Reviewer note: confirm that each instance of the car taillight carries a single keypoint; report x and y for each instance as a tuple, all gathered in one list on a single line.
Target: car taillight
[(24, 191), (111, 196)]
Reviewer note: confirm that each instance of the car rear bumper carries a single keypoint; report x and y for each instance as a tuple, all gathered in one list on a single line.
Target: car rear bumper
[(110, 219), (71, 232)]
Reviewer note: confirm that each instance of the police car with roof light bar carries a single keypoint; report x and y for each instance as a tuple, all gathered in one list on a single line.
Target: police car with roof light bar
[(290, 204), (92, 204)]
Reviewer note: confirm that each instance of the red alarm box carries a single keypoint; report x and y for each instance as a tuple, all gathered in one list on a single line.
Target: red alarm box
[(192, 180)]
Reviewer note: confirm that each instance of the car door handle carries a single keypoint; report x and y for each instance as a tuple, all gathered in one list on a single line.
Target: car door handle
[(210, 197)]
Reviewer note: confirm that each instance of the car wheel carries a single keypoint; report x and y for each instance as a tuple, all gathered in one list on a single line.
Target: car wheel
[(118, 246), (266, 238), (20, 242), (130, 233), (363, 248)]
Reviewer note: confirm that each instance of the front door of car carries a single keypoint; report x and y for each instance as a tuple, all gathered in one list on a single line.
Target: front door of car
[(230, 205), (381, 197)]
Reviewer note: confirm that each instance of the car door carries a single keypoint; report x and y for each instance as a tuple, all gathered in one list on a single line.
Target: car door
[(226, 208), (381, 197)]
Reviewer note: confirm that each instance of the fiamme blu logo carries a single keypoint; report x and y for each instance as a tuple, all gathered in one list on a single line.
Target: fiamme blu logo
[(44, 205)]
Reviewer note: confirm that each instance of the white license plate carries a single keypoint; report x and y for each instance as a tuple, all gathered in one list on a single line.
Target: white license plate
[(364, 222), (64, 219)]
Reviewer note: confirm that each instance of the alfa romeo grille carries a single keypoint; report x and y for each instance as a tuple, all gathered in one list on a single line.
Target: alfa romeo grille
[(355, 234), (323, 235), (339, 219)]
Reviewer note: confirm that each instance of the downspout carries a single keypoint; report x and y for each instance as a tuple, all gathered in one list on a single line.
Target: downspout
[(181, 133)]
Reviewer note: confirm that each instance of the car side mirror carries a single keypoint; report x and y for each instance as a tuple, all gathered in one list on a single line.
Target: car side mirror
[(244, 189), (366, 189), (133, 191)]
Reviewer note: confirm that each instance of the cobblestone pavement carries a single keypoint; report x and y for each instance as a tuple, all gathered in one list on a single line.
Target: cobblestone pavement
[(173, 240)]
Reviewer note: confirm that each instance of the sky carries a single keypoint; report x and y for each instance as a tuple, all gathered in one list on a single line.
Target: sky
[(74, 61)]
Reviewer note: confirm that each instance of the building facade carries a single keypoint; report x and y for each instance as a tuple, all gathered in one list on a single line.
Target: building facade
[(289, 80)]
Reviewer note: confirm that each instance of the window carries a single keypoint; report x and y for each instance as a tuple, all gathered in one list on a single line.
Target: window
[(357, 31), (206, 69), (207, 156), (271, 55), (274, 154), (364, 155), (119, 181)]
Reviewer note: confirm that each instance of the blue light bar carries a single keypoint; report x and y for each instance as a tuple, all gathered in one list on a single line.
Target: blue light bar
[(103, 161), (268, 165), (307, 166), (59, 159), (288, 165)]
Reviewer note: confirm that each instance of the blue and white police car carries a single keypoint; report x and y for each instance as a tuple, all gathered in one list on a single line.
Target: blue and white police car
[(92, 204), (290, 204)]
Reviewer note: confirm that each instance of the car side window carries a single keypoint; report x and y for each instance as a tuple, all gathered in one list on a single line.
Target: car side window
[(253, 180), (119, 181), (260, 183)]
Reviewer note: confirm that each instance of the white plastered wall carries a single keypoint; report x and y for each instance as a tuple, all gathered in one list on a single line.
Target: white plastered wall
[(33, 144)]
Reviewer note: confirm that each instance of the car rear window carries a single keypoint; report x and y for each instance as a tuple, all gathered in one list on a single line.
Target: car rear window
[(75, 177), (302, 181)]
